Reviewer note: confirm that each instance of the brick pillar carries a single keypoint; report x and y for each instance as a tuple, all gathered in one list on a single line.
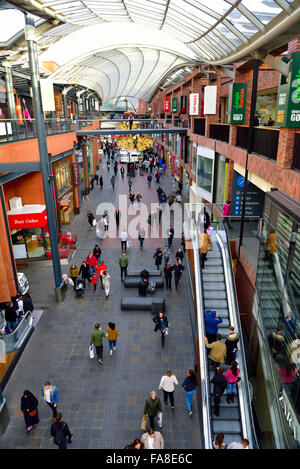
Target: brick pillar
[(229, 179), (294, 46), (285, 151), (232, 135)]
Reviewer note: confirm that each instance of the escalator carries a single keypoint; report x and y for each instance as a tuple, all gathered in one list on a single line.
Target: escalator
[(215, 290)]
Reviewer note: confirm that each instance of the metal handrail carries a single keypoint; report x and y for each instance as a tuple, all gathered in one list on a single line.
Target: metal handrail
[(243, 389)]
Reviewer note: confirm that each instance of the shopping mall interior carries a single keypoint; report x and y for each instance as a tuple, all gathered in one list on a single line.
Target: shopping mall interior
[(203, 101)]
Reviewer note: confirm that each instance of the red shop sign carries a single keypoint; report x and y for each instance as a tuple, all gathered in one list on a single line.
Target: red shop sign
[(167, 105), (27, 220)]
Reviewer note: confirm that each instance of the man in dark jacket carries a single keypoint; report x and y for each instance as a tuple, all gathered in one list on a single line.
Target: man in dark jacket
[(179, 255), (60, 431), (11, 316), (117, 217), (143, 285), (177, 269), (220, 384), (158, 257), (170, 235), (168, 276), (161, 324), (27, 303), (231, 345)]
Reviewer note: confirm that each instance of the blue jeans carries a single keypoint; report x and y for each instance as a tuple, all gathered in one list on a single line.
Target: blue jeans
[(188, 398), (231, 388), (92, 270), (166, 259), (112, 343)]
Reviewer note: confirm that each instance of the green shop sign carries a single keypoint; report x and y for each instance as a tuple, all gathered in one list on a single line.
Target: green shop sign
[(236, 103), (174, 104), (288, 97)]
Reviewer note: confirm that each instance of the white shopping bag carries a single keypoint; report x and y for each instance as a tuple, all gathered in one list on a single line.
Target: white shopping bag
[(129, 243), (94, 222), (159, 415), (92, 351), (70, 282)]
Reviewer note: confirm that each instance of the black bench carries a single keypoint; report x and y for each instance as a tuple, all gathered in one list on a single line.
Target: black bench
[(137, 273), (131, 282), (155, 305)]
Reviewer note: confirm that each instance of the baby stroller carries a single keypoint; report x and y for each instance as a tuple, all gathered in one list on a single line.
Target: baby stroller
[(79, 289), (151, 287)]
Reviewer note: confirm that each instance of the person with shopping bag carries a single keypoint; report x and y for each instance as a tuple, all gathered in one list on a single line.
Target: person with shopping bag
[(153, 408), (96, 339)]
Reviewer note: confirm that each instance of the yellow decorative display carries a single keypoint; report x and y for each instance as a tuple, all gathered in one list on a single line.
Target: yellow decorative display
[(136, 142)]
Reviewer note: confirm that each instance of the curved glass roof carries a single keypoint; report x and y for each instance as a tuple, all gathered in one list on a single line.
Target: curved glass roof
[(218, 32)]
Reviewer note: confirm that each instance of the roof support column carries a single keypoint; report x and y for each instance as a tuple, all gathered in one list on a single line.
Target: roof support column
[(44, 158), (11, 98)]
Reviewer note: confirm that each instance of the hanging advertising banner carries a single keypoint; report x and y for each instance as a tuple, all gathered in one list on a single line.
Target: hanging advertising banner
[(237, 103), (288, 96), (167, 104), (76, 174), (210, 99), (183, 103), (58, 102), (174, 104), (194, 104)]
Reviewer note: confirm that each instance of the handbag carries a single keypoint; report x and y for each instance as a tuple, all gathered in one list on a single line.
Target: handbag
[(144, 422), (210, 247), (159, 415), (91, 351), (33, 413)]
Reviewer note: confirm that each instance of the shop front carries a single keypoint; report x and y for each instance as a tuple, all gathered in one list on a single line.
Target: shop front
[(185, 183), (29, 231), (220, 178), (63, 173), (205, 173)]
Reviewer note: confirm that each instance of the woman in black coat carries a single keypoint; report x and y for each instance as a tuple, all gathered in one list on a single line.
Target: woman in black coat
[(161, 324), (97, 252), (168, 276), (220, 384), (27, 303), (158, 257), (91, 218), (29, 404), (85, 273)]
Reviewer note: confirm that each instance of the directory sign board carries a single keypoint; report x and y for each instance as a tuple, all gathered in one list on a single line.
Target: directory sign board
[(237, 103), (254, 200), (288, 97)]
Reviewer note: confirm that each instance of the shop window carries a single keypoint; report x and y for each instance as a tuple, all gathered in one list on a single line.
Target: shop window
[(28, 243), (221, 173), (205, 173), (63, 177)]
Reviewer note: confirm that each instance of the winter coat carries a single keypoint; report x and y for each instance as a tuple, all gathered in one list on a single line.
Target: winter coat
[(211, 322), (97, 252), (106, 280), (230, 378), (220, 384), (226, 210), (177, 269), (231, 344), (152, 407), (112, 334), (91, 261), (27, 304), (158, 257), (158, 324), (188, 385), (168, 272), (218, 351), (271, 243), (73, 272), (123, 261), (97, 337), (205, 241), (158, 442), (85, 271)]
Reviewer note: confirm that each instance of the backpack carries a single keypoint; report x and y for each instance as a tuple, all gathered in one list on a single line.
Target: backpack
[(60, 435)]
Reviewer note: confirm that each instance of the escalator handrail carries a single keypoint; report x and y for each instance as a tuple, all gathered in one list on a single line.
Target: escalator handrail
[(204, 371), (243, 389), (27, 315)]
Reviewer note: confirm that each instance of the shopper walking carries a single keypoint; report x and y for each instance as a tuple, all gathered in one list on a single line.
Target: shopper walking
[(97, 253), (112, 335), (73, 274), (220, 384), (105, 221), (166, 255), (50, 396), (101, 181), (149, 180), (161, 324), (90, 218), (91, 261), (205, 246), (138, 198), (61, 432), (179, 255), (166, 384), (231, 345), (168, 276), (177, 269), (131, 197), (153, 408), (123, 263), (29, 407), (96, 339), (226, 212), (122, 171), (212, 321), (158, 257), (152, 440), (85, 273), (129, 184), (117, 217), (112, 181), (231, 376), (189, 385), (170, 236), (106, 283), (141, 237), (124, 238), (218, 350), (94, 280)]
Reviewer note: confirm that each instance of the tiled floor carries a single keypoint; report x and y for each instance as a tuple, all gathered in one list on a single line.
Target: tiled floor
[(103, 405)]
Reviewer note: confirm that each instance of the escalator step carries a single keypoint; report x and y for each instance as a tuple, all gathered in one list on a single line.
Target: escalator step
[(228, 413), (209, 277), (213, 269), (213, 261), (213, 286), (215, 295), (227, 426), (215, 304)]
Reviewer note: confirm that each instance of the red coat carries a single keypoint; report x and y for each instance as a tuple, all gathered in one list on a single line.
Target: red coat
[(91, 261), (94, 280)]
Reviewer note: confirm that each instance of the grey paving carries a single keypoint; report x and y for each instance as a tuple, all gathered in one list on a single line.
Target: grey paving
[(103, 405)]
